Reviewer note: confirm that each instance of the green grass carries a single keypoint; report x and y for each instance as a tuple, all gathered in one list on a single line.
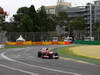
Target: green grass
[(16, 47), (11, 47), (66, 52)]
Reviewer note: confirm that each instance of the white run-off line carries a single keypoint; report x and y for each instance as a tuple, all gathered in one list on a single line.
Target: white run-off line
[(45, 68)]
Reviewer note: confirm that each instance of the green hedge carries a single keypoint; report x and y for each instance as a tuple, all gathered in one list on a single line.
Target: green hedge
[(87, 42)]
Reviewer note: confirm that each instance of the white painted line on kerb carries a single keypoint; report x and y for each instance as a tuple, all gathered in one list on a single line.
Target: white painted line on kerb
[(45, 68)]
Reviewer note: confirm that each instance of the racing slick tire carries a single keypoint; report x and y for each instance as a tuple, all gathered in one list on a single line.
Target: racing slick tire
[(39, 54), (51, 56), (56, 56)]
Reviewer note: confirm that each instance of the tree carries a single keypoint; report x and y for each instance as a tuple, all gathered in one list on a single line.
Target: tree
[(62, 20), (32, 12), (77, 23), (51, 23), (30, 20), (62, 16), (42, 12), (34, 17), (23, 10), (9, 26), (26, 19), (20, 13), (3, 14), (43, 19), (96, 26)]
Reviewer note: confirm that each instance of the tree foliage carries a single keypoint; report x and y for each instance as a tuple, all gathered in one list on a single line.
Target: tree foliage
[(42, 19), (27, 19), (96, 26), (77, 23)]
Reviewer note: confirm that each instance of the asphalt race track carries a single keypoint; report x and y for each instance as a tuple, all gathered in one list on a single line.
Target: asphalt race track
[(24, 61)]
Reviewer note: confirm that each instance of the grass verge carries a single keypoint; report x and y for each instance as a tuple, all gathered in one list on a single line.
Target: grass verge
[(67, 53), (7, 47)]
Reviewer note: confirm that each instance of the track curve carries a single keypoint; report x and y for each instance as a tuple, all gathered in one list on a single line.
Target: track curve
[(25, 61)]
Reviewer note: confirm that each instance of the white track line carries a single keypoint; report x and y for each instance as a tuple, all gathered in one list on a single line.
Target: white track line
[(18, 70), (50, 69), (12, 68)]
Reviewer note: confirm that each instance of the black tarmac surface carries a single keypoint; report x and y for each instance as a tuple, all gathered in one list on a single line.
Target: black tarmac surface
[(24, 61)]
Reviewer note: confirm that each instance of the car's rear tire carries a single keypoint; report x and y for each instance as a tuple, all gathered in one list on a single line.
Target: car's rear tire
[(51, 56), (39, 54)]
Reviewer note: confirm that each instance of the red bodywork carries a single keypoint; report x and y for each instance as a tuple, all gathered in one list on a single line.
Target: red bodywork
[(49, 54)]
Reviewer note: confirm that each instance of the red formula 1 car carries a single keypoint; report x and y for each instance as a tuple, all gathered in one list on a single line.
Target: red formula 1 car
[(47, 54)]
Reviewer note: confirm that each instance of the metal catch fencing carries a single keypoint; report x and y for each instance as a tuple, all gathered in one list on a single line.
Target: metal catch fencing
[(28, 36), (45, 36), (82, 35)]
